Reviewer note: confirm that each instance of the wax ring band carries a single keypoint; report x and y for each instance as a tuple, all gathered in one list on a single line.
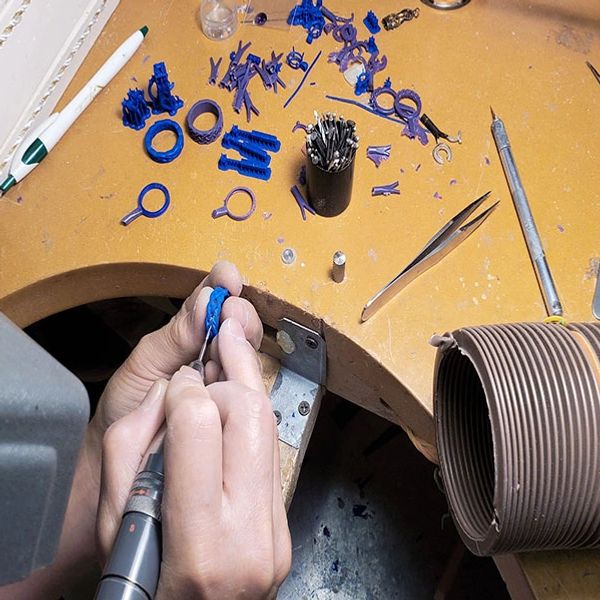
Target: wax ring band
[(294, 59), (381, 109), (152, 214), (403, 110), (168, 155), (210, 135), (224, 210), (141, 211)]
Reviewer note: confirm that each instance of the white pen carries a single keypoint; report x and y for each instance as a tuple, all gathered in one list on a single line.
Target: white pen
[(42, 139)]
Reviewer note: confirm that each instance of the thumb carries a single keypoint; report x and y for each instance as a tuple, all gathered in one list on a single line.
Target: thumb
[(123, 448)]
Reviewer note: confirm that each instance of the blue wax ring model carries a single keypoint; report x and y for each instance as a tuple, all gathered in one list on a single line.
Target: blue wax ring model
[(210, 135), (213, 311), (141, 211), (155, 129)]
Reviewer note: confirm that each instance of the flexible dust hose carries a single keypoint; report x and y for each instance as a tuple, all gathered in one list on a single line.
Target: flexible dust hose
[(517, 412)]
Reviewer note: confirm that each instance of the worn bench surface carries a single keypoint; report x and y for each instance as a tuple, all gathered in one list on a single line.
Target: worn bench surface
[(61, 243)]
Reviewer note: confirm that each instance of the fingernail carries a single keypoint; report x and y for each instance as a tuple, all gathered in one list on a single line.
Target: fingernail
[(199, 309), (155, 393), (186, 373), (235, 329)]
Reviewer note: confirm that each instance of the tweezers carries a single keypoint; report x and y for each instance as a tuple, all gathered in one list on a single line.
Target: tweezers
[(440, 245), (593, 70)]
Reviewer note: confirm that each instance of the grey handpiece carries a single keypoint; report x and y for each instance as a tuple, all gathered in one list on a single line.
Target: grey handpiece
[(133, 568)]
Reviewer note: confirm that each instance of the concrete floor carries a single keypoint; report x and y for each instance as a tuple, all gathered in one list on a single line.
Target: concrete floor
[(369, 522)]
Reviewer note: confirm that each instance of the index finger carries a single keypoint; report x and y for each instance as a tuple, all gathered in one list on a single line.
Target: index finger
[(223, 274), (193, 464)]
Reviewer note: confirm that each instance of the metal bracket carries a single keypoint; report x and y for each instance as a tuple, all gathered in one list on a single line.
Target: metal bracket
[(304, 350), (296, 389)]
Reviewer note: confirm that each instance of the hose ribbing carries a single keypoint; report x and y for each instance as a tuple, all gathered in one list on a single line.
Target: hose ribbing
[(517, 410)]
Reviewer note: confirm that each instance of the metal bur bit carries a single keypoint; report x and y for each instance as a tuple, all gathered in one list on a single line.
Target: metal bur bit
[(338, 269), (530, 232)]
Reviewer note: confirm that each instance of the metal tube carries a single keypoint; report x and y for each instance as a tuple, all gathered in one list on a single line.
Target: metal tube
[(338, 269), (532, 237)]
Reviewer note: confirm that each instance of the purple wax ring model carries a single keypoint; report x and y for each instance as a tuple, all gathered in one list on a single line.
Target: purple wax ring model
[(224, 210), (403, 110), (210, 135), (381, 109)]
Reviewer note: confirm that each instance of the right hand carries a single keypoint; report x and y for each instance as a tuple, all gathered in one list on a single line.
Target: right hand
[(225, 532)]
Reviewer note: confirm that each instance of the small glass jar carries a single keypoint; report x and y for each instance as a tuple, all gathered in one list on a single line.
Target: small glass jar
[(218, 18)]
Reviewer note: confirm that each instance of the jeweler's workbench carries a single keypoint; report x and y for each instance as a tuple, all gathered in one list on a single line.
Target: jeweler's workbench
[(62, 245)]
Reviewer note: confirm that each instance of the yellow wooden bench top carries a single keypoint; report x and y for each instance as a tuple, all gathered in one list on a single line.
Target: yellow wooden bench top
[(61, 243)]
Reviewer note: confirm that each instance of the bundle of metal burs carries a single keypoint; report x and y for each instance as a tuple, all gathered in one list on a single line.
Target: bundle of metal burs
[(331, 143)]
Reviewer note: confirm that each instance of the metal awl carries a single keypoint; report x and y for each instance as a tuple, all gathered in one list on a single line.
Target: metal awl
[(198, 364), (530, 232)]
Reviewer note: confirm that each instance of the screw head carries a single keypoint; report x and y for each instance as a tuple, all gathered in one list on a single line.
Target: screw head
[(339, 258), (312, 343), (277, 416), (304, 408), (285, 342)]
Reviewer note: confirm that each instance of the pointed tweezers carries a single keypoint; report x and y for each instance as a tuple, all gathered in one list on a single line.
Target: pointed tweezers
[(442, 243), (593, 70)]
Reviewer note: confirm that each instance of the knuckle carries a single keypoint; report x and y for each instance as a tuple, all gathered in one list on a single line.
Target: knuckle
[(117, 434), (175, 331), (194, 413), (258, 406), (146, 345), (188, 580), (167, 339), (259, 578), (209, 583), (205, 582), (141, 359)]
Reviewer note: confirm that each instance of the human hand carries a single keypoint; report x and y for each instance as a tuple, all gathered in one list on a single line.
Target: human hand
[(162, 352), (225, 531), (159, 354)]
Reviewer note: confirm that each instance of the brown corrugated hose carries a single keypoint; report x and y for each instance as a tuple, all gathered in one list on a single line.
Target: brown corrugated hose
[(517, 412)]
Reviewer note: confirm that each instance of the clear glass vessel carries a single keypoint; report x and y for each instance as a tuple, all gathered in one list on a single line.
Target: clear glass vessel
[(218, 18)]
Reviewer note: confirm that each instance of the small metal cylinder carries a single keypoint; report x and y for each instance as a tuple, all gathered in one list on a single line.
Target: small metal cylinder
[(338, 269)]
